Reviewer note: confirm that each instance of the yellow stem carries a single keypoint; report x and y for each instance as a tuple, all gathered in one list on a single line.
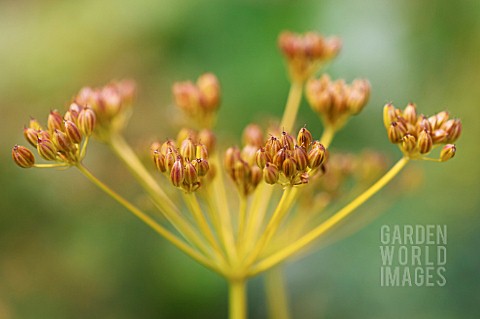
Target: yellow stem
[(282, 208), (293, 104), (121, 148), (202, 223), (277, 298), (149, 221), (237, 299), (50, 165), (327, 136), (242, 216), (329, 223)]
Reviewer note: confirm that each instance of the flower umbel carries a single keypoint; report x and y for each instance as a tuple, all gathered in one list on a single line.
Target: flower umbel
[(269, 208)]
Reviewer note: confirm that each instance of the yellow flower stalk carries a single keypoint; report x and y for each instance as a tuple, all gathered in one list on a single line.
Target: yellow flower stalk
[(241, 211)]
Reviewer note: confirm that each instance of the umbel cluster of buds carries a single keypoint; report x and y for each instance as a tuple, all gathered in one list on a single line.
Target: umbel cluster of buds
[(283, 160), (185, 161), (335, 101), (61, 141), (111, 104), (200, 100), (417, 135), (307, 53)]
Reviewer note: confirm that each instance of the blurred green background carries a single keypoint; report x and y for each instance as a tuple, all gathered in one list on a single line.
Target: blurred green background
[(68, 251)]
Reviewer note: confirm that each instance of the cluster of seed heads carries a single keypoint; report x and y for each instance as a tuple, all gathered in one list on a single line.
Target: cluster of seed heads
[(185, 161), (335, 101), (305, 53), (60, 141), (111, 104), (199, 100), (417, 135), (284, 160)]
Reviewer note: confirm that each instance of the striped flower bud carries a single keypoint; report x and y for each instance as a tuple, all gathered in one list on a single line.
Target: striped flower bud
[(86, 121), (33, 123), (273, 145), (280, 157), (22, 156), (389, 115), (31, 135), (202, 167), (424, 142), (201, 151), (61, 141), (159, 161), (442, 117), (210, 91), (454, 131), (73, 132), (316, 156), (256, 176), (46, 149), (447, 152), (409, 143), (410, 113), (170, 159), (300, 157), (191, 176), (289, 167), (55, 121), (395, 132), (287, 141), (261, 157), (304, 138), (188, 149), (177, 174), (270, 174), (207, 138)]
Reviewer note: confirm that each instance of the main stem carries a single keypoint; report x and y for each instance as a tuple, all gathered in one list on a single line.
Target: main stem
[(238, 299), (293, 103), (329, 223)]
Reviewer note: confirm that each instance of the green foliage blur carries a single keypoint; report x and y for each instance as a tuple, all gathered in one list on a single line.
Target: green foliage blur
[(68, 251)]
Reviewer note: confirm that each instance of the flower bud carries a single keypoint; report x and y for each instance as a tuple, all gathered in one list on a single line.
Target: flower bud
[(358, 95), (232, 155), (424, 142), (177, 174), (210, 91), (439, 136), (316, 156), (201, 151), (159, 161), (395, 132), (55, 121), (186, 133), (454, 131), (409, 143), (300, 157), (86, 121), (289, 167), (33, 123), (448, 151), (170, 159), (425, 124), (389, 115), (202, 167), (191, 176), (287, 141), (442, 117), (261, 157), (304, 138), (188, 149), (270, 174), (22, 156), (410, 113), (73, 132), (272, 146), (31, 135), (61, 141), (280, 157), (46, 149), (253, 135)]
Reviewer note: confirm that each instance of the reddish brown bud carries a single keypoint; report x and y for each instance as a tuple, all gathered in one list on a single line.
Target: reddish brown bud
[(261, 157), (289, 167), (177, 174), (188, 149), (46, 149), (280, 157), (191, 176), (61, 141), (304, 138), (424, 142), (410, 113), (55, 121), (272, 146), (287, 141), (22, 156), (73, 132), (86, 121), (170, 159), (300, 157), (31, 135), (316, 156), (395, 132), (409, 143), (202, 167), (448, 151), (270, 174), (159, 161), (253, 135)]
